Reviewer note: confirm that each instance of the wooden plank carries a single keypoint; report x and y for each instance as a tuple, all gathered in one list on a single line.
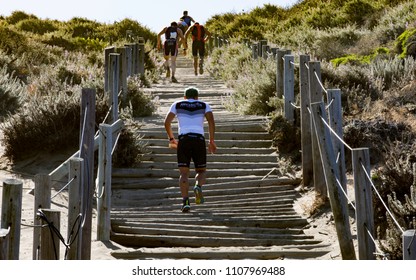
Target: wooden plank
[(227, 253)]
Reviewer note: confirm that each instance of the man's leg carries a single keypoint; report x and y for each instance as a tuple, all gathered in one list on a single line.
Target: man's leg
[(173, 66), (196, 65), (200, 179), (184, 186), (201, 65), (166, 65)]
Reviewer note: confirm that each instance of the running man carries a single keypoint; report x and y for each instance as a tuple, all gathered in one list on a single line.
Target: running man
[(191, 113), (172, 35), (200, 35), (187, 18)]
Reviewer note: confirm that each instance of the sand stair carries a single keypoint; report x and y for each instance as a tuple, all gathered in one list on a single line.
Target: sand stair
[(248, 213)]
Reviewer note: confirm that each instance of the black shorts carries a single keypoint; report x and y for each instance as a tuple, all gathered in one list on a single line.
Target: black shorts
[(198, 47), (171, 48), (192, 146)]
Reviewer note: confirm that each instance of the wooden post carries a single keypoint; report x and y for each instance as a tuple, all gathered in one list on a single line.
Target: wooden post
[(336, 197), (261, 43), (129, 59), (363, 204), (123, 74), (104, 183), (107, 52), (255, 51), (75, 216), (274, 52), (87, 154), (43, 185), (4, 243), (11, 213), (315, 95), (409, 245), (114, 86), (279, 72), (50, 243), (265, 51), (289, 88), (335, 121), (141, 55), (133, 58), (305, 121)]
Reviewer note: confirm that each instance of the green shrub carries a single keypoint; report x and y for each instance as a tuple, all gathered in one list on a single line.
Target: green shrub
[(405, 43), (12, 41), (18, 16), (49, 123), (36, 26), (11, 92), (140, 103)]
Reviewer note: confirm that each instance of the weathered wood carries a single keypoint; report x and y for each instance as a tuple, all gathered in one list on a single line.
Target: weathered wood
[(335, 121), (141, 55), (123, 74), (87, 133), (305, 121), (226, 253), (4, 243), (114, 86), (11, 213), (43, 185), (107, 52), (50, 243), (363, 204), (104, 183), (62, 170), (75, 215), (280, 72), (198, 241), (336, 197), (289, 88), (315, 92), (409, 246)]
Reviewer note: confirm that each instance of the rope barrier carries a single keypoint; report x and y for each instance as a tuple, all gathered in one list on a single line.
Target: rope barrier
[(381, 199), (320, 82), (336, 135), (294, 105), (380, 252), (63, 188)]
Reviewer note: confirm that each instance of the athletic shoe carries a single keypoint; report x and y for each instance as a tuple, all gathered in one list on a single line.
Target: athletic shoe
[(196, 73), (186, 207), (174, 80), (199, 198), (201, 69), (167, 72)]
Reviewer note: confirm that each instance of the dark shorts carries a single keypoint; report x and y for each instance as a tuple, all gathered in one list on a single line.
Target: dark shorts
[(198, 47), (171, 48), (192, 147)]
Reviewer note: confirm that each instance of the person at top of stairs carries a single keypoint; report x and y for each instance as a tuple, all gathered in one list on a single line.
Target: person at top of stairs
[(172, 35), (200, 35), (191, 113)]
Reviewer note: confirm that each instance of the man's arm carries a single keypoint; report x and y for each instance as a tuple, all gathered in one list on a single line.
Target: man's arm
[(208, 35), (168, 125), (212, 147)]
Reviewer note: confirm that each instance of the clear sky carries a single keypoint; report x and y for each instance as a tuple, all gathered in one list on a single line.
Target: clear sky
[(154, 14)]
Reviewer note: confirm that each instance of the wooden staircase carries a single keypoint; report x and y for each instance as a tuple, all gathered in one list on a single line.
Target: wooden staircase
[(248, 211)]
